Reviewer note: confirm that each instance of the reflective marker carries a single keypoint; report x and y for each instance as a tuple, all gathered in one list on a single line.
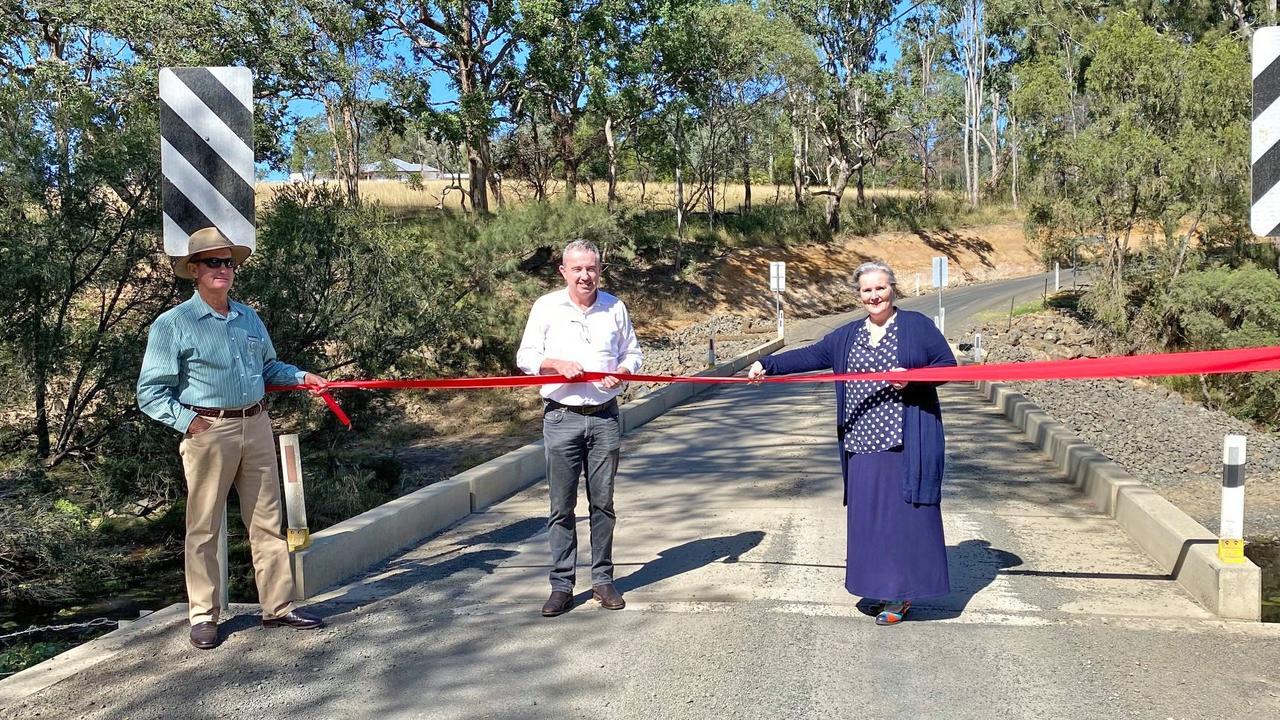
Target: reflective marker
[(1231, 529), (295, 505)]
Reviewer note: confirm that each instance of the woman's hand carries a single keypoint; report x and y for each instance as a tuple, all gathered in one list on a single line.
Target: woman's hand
[(756, 372), (898, 385)]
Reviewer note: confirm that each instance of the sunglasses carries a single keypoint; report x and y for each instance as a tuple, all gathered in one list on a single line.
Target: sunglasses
[(217, 262)]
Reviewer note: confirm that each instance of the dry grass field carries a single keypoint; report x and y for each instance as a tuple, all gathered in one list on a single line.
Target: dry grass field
[(401, 197)]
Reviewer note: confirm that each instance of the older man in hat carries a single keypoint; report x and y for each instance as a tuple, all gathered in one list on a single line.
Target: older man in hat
[(207, 363)]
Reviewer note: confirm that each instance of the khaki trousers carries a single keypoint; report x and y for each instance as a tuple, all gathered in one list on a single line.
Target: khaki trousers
[(240, 452)]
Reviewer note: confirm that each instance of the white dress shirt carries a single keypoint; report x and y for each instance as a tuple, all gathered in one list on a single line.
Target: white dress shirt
[(600, 339)]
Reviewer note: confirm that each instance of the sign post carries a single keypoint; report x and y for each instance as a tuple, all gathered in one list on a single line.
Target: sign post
[(1264, 216), (206, 154), (1231, 527), (940, 281), (778, 284)]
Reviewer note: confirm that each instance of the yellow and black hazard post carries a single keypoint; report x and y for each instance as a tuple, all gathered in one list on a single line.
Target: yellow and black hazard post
[(1231, 529)]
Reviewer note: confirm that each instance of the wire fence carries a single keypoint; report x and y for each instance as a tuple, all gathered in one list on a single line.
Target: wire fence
[(34, 630)]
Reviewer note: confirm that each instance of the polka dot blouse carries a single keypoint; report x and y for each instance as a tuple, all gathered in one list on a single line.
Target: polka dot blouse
[(873, 407)]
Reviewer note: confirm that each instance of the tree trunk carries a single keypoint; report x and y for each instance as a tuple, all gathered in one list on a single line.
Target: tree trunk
[(568, 158), (797, 157), (709, 182), (1013, 147), (679, 187), (835, 193), (477, 183), (539, 185), (861, 186), (974, 53), (612, 147), (351, 127), (679, 202), (42, 409), (335, 113), (476, 141)]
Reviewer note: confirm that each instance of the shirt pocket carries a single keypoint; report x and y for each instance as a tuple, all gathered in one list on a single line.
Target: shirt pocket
[(251, 349), (254, 350)]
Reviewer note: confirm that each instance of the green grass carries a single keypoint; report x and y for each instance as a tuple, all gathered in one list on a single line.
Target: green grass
[(24, 655)]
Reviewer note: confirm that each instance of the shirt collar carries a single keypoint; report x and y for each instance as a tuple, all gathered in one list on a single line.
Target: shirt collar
[(566, 300), (203, 308)]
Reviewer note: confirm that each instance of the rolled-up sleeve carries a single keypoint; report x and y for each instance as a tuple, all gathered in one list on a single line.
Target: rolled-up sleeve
[(533, 344), (629, 355), (158, 381)]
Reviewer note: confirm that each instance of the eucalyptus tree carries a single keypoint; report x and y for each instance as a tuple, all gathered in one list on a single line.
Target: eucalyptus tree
[(337, 51), (573, 45), (1164, 141), (925, 104), (757, 56), (853, 113), (79, 182), (474, 43)]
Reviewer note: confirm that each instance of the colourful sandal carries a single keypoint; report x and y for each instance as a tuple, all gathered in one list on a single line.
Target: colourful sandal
[(893, 613)]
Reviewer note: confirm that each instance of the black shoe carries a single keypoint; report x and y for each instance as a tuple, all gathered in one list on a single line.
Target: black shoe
[(296, 619), (559, 603), (608, 597), (205, 635)]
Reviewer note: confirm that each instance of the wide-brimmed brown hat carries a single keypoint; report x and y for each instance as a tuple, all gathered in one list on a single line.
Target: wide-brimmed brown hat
[(209, 238)]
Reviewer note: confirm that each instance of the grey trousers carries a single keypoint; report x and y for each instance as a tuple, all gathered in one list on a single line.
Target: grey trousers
[(577, 445)]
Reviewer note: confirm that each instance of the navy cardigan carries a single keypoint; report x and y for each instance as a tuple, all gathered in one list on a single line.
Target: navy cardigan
[(919, 345)]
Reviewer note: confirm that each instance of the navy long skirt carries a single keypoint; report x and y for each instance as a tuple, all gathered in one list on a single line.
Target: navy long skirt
[(896, 548)]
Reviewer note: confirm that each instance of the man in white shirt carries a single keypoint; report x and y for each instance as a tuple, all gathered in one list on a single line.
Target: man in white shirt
[(571, 331)]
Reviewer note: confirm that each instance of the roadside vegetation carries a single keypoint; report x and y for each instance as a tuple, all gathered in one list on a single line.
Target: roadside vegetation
[(677, 135)]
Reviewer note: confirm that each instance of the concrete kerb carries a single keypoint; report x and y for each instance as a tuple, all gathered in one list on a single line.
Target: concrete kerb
[(342, 550), (77, 659), (1181, 546)]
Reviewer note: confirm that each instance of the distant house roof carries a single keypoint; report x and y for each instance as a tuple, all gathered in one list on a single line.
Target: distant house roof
[(398, 164)]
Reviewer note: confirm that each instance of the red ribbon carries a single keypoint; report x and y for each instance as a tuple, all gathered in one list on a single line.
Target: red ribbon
[(1205, 362)]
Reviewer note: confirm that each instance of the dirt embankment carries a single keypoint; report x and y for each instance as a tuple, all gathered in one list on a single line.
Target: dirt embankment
[(819, 276)]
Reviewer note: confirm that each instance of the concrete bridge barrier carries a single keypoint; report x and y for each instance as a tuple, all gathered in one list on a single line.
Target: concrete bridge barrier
[(1181, 546)]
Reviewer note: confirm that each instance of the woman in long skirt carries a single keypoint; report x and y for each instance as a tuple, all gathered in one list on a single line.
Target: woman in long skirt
[(891, 445)]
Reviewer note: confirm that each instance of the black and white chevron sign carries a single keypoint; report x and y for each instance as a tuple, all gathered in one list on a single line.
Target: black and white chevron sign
[(1264, 219), (206, 153)]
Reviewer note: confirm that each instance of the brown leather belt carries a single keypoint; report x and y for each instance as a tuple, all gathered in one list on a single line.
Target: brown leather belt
[(582, 409), (244, 412)]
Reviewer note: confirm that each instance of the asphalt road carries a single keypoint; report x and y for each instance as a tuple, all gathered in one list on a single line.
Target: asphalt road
[(730, 550), (962, 305)]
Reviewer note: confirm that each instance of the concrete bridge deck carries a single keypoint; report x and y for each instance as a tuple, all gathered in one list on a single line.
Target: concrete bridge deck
[(730, 549)]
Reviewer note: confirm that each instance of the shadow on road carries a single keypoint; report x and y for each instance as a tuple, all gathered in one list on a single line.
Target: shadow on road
[(974, 564), (691, 556)]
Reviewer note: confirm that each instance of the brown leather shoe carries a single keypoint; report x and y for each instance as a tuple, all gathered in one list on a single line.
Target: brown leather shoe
[(205, 635), (559, 603), (296, 619), (608, 597)]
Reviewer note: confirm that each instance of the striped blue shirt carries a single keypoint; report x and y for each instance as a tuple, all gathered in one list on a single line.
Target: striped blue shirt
[(196, 356)]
